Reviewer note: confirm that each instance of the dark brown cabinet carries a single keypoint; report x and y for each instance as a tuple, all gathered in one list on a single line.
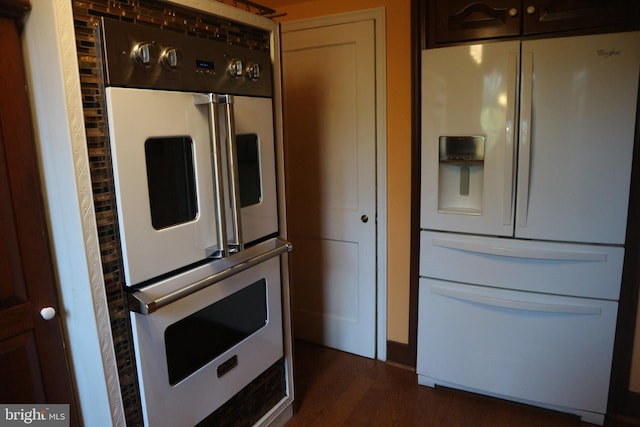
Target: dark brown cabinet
[(460, 20), (451, 21), (544, 16)]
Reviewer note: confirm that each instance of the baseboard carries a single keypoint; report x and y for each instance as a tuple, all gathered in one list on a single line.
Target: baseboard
[(632, 405), (626, 411), (399, 353)]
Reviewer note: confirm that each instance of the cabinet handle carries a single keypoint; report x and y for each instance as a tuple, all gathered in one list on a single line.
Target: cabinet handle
[(513, 12), (531, 10)]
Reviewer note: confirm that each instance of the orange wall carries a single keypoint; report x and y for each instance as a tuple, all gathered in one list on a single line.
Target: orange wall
[(398, 41)]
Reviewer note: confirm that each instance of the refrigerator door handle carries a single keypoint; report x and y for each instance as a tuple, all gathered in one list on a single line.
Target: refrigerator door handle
[(222, 250), (543, 307), (525, 253), (524, 152), (512, 82)]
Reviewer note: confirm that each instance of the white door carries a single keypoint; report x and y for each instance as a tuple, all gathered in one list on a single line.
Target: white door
[(330, 143)]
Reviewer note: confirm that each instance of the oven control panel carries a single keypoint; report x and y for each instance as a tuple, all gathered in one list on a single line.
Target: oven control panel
[(145, 57)]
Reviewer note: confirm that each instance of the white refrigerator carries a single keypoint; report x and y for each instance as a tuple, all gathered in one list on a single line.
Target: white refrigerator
[(526, 162)]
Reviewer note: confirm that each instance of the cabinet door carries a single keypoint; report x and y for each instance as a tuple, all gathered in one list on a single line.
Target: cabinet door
[(460, 20), (544, 16), (33, 360)]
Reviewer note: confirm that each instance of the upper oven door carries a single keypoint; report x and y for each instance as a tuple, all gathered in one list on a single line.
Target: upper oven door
[(161, 152), (253, 133)]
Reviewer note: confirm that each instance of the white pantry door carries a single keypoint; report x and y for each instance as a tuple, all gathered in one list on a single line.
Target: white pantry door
[(330, 146)]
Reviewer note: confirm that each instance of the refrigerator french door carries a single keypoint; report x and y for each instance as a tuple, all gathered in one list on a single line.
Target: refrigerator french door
[(526, 163), (555, 120)]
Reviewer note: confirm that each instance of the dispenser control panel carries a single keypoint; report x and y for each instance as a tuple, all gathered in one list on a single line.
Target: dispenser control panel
[(462, 149)]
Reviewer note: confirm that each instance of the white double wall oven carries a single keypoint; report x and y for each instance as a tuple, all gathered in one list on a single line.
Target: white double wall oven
[(192, 140)]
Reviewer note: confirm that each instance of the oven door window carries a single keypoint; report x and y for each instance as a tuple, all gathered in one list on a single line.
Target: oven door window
[(248, 152), (171, 181), (199, 338)]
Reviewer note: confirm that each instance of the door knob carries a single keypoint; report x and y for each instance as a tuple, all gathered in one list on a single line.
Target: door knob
[(364, 218), (48, 313)]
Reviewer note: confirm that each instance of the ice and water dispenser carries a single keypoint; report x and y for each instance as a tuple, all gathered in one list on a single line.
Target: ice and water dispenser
[(461, 174)]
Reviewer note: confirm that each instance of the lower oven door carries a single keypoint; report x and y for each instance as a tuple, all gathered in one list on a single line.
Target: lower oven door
[(197, 352)]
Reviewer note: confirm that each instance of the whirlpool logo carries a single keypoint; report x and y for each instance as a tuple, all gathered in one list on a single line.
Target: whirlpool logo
[(37, 415), (608, 53)]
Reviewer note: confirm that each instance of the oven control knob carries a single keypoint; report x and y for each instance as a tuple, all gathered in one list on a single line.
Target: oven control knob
[(253, 71), (236, 68), (142, 53), (169, 58)]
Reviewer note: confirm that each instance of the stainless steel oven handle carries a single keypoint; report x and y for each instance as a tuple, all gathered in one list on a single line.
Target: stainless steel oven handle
[(234, 181), (222, 250), (143, 304)]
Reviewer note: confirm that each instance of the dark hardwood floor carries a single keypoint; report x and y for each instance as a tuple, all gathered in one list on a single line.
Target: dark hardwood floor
[(339, 389)]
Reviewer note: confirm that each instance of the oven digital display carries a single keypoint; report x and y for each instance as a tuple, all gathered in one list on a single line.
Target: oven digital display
[(205, 65)]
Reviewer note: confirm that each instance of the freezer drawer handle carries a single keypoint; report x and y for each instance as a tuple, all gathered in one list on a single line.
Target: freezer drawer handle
[(544, 254), (517, 305), (143, 304)]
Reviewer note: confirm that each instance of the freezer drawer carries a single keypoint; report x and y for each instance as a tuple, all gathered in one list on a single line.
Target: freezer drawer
[(541, 349), (555, 268)]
